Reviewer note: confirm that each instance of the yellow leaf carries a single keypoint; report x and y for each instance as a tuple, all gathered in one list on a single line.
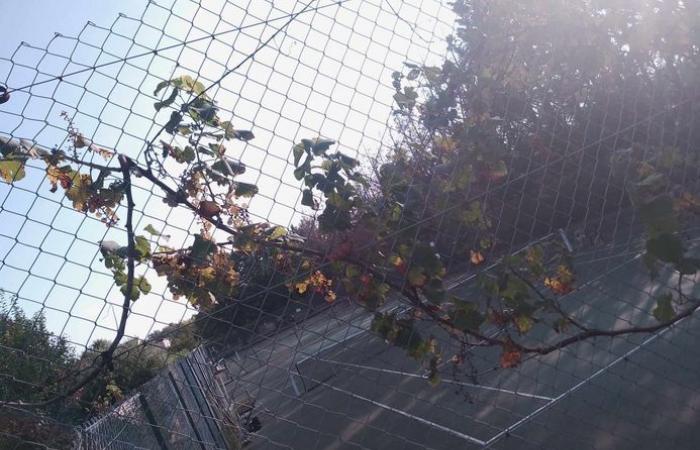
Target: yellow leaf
[(207, 274), (301, 287), (558, 286), (564, 274), (11, 170), (396, 261), (524, 324)]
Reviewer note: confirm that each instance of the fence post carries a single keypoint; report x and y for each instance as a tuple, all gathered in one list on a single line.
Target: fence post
[(152, 422), (187, 412), (201, 399)]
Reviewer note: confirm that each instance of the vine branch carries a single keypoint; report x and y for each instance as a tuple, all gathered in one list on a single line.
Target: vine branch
[(106, 357)]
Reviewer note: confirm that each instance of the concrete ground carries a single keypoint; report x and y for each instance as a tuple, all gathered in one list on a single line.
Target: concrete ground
[(330, 384)]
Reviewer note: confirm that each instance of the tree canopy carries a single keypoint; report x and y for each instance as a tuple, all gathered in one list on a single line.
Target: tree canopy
[(33, 357)]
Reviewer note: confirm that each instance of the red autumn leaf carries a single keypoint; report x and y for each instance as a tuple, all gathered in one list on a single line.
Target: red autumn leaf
[(208, 208), (511, 356), (365, 279)]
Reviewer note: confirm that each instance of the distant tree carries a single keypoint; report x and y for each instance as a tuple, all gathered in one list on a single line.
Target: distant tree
[(177, 338), (136, 362), (31, 356)]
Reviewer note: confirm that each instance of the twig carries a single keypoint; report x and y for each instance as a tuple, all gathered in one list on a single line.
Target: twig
[(105, 359), (551, 302), (609, 333)]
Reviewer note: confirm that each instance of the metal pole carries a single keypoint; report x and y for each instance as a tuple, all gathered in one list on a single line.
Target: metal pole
[(187, 412), (152, 422)]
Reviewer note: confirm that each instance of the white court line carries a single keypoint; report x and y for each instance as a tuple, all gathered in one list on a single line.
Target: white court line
[(322, 348), (576, 387), (444, 380), (466, 437)]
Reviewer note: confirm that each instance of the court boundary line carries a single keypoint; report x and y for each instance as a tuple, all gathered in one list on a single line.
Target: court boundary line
[(448, 430), (442, 380), (580, 384)]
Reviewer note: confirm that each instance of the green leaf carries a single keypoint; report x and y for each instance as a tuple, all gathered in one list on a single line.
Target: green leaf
[(402, 99), (162, 85), (413, 74), (352, 271), (432, 74), (663, 312), (277, 232), (298, 150), (188, 155), (434, 378), (142, 247), (223, 167), (533, 258), (135, 293), (435, 291), (320, 146), (416, 276), (524, 324), (206, 113), (201, 248), (168, 101), (245, 189), (424, 256), (173, 125), (182, 156), (515, 289), (188, 83), (300, 172), (307, 143), (666, 247), (347, 162), (307, 198), (150, 229), (143, 285), (466, 316), (11, 170), (244, 135), (474, 216), (658, 215), (217, 149), (488, 283), (231, 133), (120, 277), (197, 87), (652, 265)]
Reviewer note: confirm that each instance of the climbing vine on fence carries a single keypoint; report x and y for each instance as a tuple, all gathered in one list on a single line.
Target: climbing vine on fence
[(468, 130)]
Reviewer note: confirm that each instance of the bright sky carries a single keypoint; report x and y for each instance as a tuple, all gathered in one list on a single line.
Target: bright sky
[(328, 75)]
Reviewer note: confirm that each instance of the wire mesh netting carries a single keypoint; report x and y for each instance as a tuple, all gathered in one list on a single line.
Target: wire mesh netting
[(182, 407), (353, 224)]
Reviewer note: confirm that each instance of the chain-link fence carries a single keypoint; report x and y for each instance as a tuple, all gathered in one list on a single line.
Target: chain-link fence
[(392, 224), (183, 407)]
